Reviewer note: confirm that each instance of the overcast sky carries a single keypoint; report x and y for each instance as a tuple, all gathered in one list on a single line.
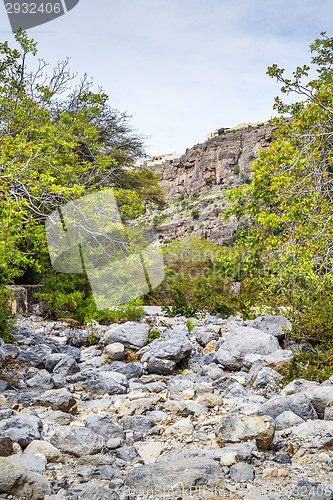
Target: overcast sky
[(183, 68)]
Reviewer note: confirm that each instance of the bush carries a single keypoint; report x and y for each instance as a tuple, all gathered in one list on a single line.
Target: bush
[(69, 296), (201, 295), (6, 323), (195, 213)]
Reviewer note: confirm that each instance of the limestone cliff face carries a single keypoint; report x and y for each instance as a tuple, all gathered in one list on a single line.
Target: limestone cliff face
[(223, 161), (208, 170)]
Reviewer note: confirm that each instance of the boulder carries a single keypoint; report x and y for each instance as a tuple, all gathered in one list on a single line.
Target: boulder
[(130, 370), (131, 334), (161, 366), (103, 425), (298, 403), (45, 448), (236, 428), (42, 381), (241, 472), (174, 346), (66, 366), (113, 352), (175, 475), (36, 463), (287, 419), (102, 382), (57, 399), (243, 342), (274, 325), (319, 397), (317, 433), (77, 441), (22, 429), (18, 480), (204, 335)]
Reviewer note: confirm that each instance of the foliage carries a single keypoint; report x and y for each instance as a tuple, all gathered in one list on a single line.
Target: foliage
[(190, 325), (290, 199), (60, 140), (69, 295), (153, 334), (195, 213), (6, 324), (190, 297)]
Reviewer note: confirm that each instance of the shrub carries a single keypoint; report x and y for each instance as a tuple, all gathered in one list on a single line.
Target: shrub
[(236, 169), (190, 297), (194, 195), (191, 228), (190, 325), (6, 323), (69, 296), (153, 334), (195, 213)]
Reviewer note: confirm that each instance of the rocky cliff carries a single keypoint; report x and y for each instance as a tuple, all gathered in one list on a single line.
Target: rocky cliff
[(195, 185), (223, 161)]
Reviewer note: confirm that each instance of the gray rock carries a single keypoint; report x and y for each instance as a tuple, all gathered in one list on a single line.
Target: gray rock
[(103, 382), (230, 388), (174, 346), (235, 428), (273, 325), (77, 441), (113, 352), (57, 399), (22, 428), (66, 367), (138, 423), (103, 425), (267, 380), (242, 472), (53, 359), (242, 342), (31, 358), (161, 366), (131, 334), (130, 370), (127, 453), (319, 397), (214, 372), (298, 403), (238, 452), (183, 473), (78, 338), (35, 463), (42, 381), (298, 385), (279, 356), (18, 480), (287, 419), (318, 433), (204, 335)]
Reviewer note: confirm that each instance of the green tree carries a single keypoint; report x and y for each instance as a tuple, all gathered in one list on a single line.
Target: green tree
[(290, 199), (57, 144)]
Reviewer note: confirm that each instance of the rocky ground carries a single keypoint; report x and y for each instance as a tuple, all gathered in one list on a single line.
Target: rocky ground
[(111, 413)]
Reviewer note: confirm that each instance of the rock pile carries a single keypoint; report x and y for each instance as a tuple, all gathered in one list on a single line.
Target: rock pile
[(199, 414)]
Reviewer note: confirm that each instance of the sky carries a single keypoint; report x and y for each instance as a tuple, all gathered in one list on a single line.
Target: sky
[(182, 68)]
